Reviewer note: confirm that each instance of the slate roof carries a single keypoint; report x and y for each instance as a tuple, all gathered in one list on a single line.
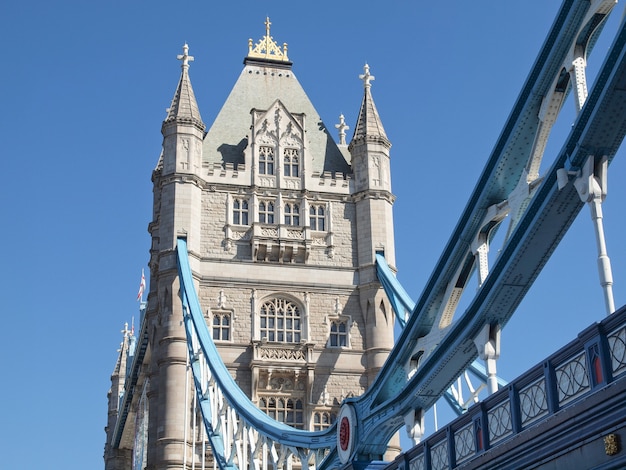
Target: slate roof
[(260, 84)]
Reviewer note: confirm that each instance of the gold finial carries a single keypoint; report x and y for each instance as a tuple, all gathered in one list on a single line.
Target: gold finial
[(267, 48)]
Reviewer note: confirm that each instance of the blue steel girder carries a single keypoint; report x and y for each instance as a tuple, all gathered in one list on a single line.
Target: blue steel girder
[(499, 177), (401, 302), (598, 131)]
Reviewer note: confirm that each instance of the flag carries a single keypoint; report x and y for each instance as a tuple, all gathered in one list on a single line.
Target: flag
[(142, 286)]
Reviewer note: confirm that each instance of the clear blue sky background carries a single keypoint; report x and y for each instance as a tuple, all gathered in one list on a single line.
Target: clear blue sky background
[(84, 89)]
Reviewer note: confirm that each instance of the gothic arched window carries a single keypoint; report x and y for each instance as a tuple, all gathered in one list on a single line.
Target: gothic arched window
[(240, 212), (292, 214), (322, 420), (291, 162), (317, 217), (221, 327), (266, 212), (281, 321), (266, 160), (338, 334)]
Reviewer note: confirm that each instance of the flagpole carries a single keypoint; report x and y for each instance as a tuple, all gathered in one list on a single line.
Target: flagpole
[(142, 287)]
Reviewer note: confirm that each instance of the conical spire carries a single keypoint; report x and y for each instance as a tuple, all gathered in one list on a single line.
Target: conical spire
[(369, 125), (184, 108)]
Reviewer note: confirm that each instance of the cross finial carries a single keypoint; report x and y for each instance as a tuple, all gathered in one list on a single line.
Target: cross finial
[(266, 48), (342, 126), (267, 26), (366, 76), (185, 57)]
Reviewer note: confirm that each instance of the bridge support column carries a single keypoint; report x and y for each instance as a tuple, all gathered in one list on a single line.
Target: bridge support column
[(488, 344), (482, 254), (591, 184), (414, 423), (579, 77), (480, 245)]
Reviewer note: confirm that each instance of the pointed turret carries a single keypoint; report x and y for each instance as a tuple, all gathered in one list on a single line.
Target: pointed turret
[(183, 129), (368, 125), (116, 457), (177, 185), (369, 149), (183, 132), (184, 108), (370, 146)]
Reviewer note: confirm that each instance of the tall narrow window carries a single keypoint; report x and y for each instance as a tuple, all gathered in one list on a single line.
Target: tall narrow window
[(266, 160), (281, 321), (338, 333), (291, 162), (221, 327), (317, 218), (266, 212), (292, 214), (240, 212), (322, 420)]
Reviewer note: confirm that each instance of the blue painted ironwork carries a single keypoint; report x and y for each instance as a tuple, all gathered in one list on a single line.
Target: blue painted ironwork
[(401, 302), (133, 372), (563, 378), (599, 130)]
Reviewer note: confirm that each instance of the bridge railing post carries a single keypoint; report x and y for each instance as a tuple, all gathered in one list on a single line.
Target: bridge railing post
[(516, 416), (598, 355), (451, 447), (481, 430), (428, 461), (552, 397)]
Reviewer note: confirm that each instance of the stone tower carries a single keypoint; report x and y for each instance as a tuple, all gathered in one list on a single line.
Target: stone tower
[(282, 226)]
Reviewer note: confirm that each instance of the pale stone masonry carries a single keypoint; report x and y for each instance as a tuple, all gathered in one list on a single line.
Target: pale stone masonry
[(282, 226)]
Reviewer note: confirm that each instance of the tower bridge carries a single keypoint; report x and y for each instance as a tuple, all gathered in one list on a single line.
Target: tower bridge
[(267, 338)]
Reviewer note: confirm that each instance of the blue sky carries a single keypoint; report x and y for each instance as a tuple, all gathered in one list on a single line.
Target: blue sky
[(85, 87)]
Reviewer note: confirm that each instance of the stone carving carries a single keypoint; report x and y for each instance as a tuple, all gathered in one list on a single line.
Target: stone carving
[(281, 383), (297, 234), (221, 299), (235, 235), (269, 232), (291, 138), (319, 241), (282, 354), (267, 181), (292, 183)]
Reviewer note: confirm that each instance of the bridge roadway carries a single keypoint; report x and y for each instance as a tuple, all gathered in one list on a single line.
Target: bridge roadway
[(569, 412)]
